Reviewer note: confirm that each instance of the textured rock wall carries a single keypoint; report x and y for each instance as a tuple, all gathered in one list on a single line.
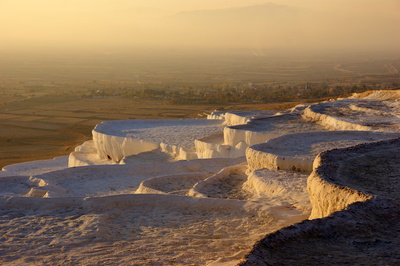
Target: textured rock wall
[(354, 217), (327, 197), (258, 159), (315, 114)]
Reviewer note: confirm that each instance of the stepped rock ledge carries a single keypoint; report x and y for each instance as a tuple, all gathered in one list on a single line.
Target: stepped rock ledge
[(315, 185)]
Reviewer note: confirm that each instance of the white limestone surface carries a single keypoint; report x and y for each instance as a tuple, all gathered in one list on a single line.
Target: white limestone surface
[(236, 139), (355, 212), (298, 109), (14, 185), (279, 192), (226, 184), (141, 229), (172, 184), (35, 167), (297, 152), (282, 187), (150, 157), (214, 147), (217, 115), (233, 118), (118, 139), (86, 154), (344, 176), (263, 129), (89, 215), (356, 114), (218, 146), (105, 180)]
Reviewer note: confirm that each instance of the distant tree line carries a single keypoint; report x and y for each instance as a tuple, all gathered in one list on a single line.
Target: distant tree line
[(229, 93), (253, 94)]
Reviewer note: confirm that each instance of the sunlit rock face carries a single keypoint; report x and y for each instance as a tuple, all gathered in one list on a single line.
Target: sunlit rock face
[(214, 147), (248, 128), (354, 193), (356, 114), (345, 176), (262, 129), (232, 118), (115, 140), (296, 152), (233, 143)]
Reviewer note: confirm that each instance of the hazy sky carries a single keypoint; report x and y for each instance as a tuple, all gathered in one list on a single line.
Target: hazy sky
[(117, 24)]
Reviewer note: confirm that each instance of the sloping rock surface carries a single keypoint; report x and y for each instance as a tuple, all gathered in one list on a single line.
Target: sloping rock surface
[(367, 232)]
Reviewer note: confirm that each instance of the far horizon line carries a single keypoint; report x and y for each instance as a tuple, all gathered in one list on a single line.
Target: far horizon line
[(238, 51)]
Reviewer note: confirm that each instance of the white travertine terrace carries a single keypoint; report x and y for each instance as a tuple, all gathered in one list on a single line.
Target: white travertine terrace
[(232, 118), (262, 129), (217, 115), (118, 139), (106, 180), (356, 114), (296, 152), (214, 147), (221, 146), (287, 185), (213, 185), (182, 192), (354, 193), (257, 129), (171, 184), (35, 167), (86, 154), (354, 174)]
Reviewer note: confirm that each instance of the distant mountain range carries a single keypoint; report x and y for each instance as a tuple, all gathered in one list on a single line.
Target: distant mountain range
[(242, 15), (251, 26), (271, 25)]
